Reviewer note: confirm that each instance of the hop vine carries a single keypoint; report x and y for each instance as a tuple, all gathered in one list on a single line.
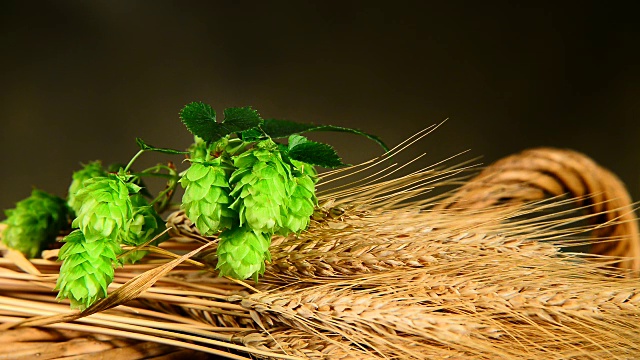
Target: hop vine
[(247, 179)]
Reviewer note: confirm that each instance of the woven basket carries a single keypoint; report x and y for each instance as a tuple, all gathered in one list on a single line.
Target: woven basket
[(478, 273)]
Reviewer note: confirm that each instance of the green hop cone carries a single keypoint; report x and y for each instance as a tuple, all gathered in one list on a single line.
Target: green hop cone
[(198, 150), (242, 253), (90, 170), (34, 223), (206, 197), (302, 201), (104, 207), (144, 225), (87, 269), (261, 187)]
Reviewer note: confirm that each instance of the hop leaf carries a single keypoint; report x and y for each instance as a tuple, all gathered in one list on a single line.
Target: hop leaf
[(90, 170), (200, 120), (302, 201), (104, 207), (87, 269), (145, 224), (261, 187), (314, 153), (206, 197), (242, 253), (34, 223)]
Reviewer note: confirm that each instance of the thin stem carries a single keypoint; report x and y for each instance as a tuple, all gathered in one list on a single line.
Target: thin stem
[(163, 200), (155, 171), (133, 159), (157, 168), (164, 193), (166, 176), (236, 146)]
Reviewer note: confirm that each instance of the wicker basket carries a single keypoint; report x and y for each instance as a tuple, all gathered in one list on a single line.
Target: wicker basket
[(478, 273)]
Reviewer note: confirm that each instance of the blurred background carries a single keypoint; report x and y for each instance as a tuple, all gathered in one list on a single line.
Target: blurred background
[(81, 79)]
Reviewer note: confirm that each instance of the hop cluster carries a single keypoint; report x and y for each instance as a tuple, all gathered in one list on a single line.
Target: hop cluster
[(261, 193), (261, 188), (90, 170), (87, 269), (242, 252), (104, 212), (206, 197), (34, 223)]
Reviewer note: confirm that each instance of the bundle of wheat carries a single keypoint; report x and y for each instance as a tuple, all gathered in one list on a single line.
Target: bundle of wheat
[(380, 273)]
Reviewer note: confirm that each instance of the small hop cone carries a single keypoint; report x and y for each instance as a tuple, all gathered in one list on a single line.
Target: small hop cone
[(145, 224), (91, 170), (302, 202), (198, 150), (242, 253), (261, 187), (34, 223), (87, 269), (104, 207), (206, 197)]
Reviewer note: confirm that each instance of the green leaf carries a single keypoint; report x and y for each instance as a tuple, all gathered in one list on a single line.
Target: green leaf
[(240, 119), (295, 140), (200, 120), (315, 153), (252, 135), (284, 128), (144, 146)]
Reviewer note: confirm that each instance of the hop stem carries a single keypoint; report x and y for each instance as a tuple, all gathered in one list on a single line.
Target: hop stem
[(133, 159)]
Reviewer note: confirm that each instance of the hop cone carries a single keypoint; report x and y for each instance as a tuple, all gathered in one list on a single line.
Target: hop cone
[(144, 225), (34, 223), (242, 252), (302, 201), (91, 170), (199, 149), (103, 207), (206, 197), (87, 269), (262, 183)]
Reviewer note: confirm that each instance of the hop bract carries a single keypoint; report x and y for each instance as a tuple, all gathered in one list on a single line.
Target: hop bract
[(145, 224), (206, 197), (242, 253), (261, 187), (104, 207), (302, 201), (87, 269), (90, 170), (34, 223)]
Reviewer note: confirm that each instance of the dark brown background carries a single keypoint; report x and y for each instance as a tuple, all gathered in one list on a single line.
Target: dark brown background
[(81, 79)]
